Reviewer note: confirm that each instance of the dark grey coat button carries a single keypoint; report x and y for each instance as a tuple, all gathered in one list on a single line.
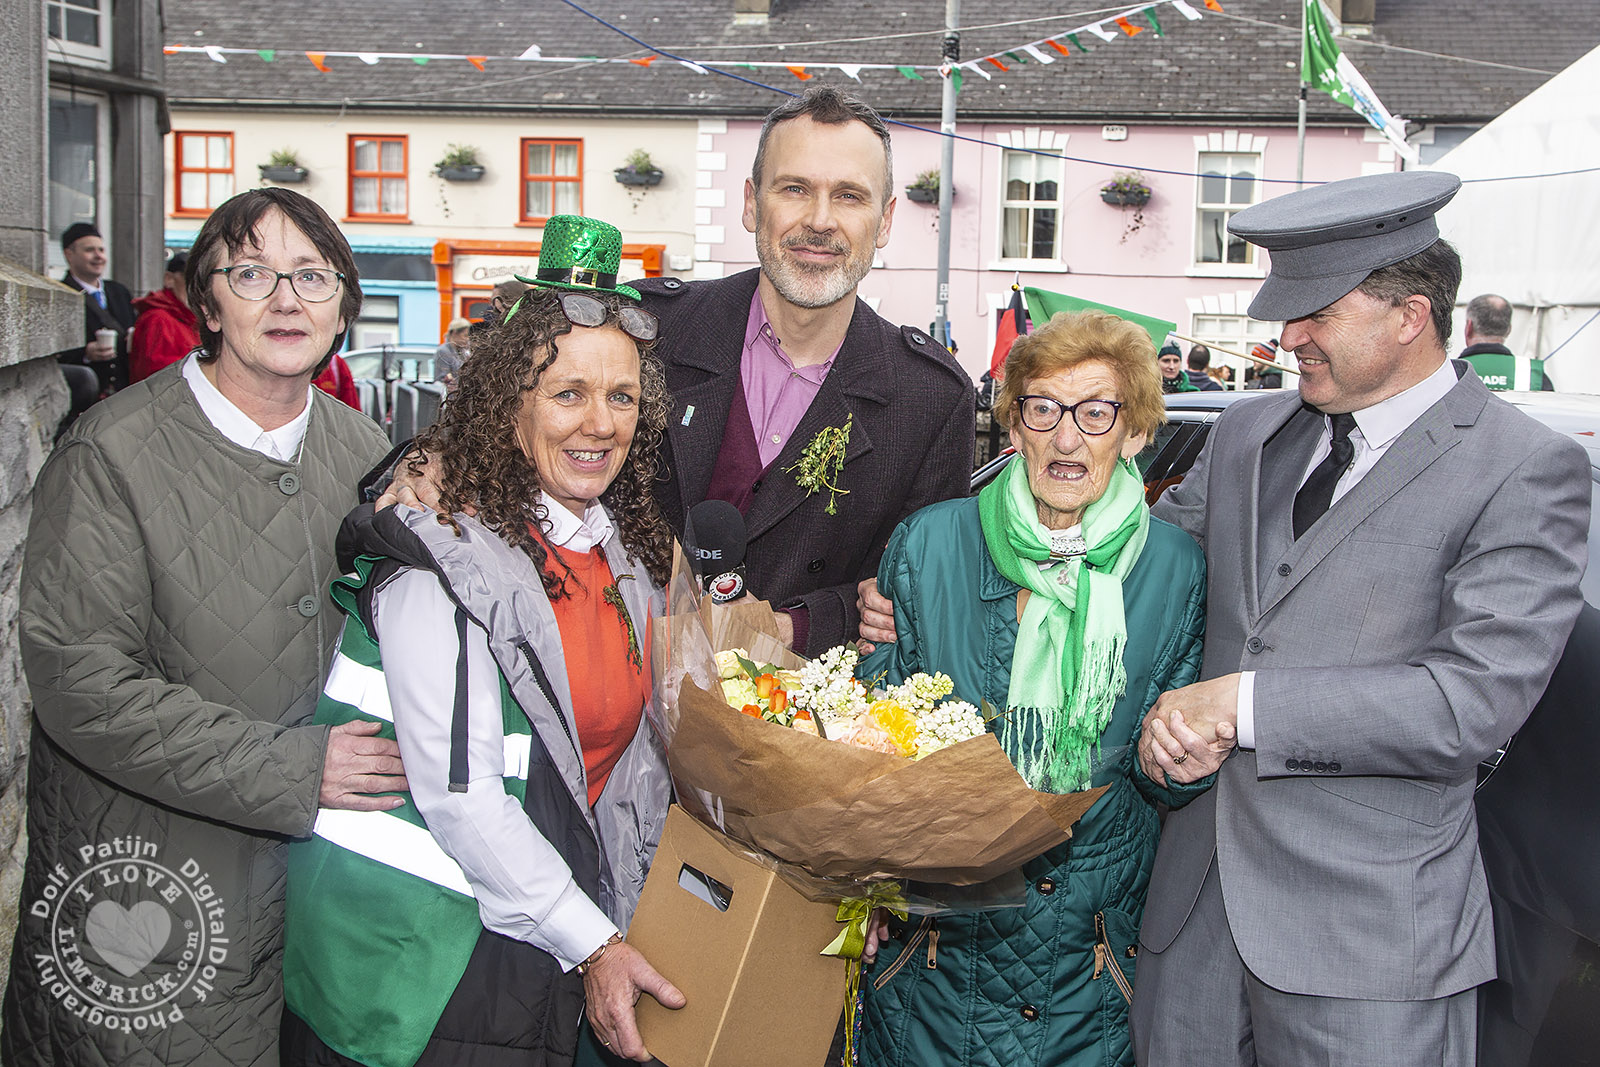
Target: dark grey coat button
[(1291, 765), (815, 566), (1029, 1012), (1284, 569), (1334, 766), (308, 605), (1046, 886), (1320, 767), (672, 283), (289, 484), (1255, 644)]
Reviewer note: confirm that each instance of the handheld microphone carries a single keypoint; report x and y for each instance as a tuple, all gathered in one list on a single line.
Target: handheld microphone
[(717, 538)]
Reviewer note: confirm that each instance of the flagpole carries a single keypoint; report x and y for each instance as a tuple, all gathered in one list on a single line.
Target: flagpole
[(950, 52), (1300, 162)]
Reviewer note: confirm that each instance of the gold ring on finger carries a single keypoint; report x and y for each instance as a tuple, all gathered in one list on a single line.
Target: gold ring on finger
[(1179, 758)]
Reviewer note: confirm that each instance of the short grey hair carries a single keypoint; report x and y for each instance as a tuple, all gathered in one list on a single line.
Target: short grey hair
[(831, 107), (1434, 272), (1490, 316)]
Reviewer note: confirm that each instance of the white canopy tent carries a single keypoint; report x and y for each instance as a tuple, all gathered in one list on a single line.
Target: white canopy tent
[(1536, 241)]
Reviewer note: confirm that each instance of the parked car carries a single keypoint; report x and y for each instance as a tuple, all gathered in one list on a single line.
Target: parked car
[(1537, 802), (395, 384)]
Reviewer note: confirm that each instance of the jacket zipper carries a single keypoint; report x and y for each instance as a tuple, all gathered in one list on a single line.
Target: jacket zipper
[(1105, 958), (905, 954), (544, 685), (933, 948)]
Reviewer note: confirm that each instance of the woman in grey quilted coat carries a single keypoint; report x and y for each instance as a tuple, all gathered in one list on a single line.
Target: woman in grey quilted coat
[(175, 630)]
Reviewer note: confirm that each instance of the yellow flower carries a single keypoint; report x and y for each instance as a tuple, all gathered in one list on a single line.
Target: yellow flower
[(898, 723), (728, 662), (739, 691)]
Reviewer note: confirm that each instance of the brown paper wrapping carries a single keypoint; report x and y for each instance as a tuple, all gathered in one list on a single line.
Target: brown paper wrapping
[(960, 816)]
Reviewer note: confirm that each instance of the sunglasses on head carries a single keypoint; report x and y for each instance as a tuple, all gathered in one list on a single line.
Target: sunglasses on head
[(581, 309)]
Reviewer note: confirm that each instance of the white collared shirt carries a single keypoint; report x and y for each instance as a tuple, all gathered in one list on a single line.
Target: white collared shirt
[(570, 532), (282, 444), (1377, 428)]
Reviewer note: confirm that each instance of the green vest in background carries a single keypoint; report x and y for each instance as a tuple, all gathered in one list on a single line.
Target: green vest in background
[(1500, 372), (380, 921)]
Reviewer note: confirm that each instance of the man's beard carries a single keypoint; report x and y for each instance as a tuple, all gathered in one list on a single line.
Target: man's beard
[(808, 286)]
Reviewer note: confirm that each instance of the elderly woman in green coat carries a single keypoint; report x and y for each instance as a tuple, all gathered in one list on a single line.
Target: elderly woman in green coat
[(1056, 597)]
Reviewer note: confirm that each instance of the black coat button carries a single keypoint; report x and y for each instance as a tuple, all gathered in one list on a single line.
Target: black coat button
[(1291, 765), (289, 484), (1334, 767), (755, 487), (1046, 886), (1284, 569), (815, 566), (1320, 767), (1029, 1012), (308, 606), (1255, 644)]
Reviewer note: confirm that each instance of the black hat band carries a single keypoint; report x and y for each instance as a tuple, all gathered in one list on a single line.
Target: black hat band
[(581, 276)]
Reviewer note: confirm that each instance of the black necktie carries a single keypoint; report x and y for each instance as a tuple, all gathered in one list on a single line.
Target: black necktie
[(1316, 495)]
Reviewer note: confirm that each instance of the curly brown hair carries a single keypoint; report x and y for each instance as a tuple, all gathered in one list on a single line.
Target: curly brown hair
[(483, 466)]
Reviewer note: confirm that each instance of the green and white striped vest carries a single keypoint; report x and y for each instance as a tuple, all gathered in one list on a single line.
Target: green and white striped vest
[(380, 922)]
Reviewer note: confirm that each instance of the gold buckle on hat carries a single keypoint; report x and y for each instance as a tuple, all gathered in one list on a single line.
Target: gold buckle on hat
[(584, 276)]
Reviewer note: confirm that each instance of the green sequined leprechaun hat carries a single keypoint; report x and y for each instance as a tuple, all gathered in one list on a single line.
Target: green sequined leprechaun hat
[(582, 254)]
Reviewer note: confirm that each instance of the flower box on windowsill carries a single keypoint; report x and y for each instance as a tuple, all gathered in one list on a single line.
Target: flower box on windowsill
[(922, 194), (629, 176), (469, 172), (284, 175), (1126, 197)]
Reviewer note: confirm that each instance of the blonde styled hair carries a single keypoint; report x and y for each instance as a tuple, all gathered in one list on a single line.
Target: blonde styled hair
[(1069, 339)]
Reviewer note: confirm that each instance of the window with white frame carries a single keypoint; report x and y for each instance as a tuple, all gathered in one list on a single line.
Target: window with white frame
[(1030, 223), (1228, 182), (79, 29), (80, 143), (1237, 332)]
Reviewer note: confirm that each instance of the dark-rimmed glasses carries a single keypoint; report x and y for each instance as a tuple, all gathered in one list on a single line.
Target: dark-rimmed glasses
[(1041, 414), (252, 281), (581, 309)]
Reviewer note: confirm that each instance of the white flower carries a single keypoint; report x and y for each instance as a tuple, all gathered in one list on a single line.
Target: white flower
[(827, 688), (728, 662), (918, 692), (739, 691), (943, 726)]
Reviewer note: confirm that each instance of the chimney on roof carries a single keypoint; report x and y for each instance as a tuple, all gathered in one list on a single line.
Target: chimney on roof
[(751, 12), (1353, 12)]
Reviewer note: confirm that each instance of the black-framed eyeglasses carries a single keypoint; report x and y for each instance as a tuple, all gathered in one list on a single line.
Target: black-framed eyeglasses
[(1042, 414), (252, 281), (581, 309)]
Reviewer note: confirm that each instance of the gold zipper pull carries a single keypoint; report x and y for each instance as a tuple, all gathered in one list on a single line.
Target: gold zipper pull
[(1099, 958), (933, 949)]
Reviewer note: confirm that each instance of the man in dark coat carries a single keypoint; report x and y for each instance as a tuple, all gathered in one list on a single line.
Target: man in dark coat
[(771, 368), (107, 305)]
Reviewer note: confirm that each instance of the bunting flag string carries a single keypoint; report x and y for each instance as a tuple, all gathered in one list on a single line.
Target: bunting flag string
[(1005, 59)]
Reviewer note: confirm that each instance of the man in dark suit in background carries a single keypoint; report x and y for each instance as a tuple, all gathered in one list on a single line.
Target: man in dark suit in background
[(100, 367), (768, 367)]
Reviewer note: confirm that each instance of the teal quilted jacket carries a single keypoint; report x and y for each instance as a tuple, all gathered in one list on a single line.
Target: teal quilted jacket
[(1046, 985)]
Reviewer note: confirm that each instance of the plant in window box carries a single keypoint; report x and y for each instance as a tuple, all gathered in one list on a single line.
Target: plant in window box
[(638, 169), (924, 188), (283, 166), (459, 164), (1126, 189)]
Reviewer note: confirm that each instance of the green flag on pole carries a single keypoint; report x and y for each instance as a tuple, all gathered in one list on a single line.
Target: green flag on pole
[(1325, 68), (1042, 304)]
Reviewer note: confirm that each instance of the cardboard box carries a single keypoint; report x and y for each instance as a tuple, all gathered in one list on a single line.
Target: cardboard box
[(744, 948)]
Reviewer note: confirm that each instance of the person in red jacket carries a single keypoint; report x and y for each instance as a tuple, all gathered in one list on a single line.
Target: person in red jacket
[(338, 382), (166, 330)]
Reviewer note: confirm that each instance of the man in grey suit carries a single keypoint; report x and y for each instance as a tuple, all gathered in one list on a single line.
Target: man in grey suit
[(1394, 563)]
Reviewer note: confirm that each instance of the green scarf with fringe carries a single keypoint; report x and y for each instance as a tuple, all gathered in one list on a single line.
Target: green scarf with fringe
[(1067, 669)]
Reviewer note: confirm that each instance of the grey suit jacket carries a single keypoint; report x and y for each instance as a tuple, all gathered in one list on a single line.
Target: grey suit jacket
[(1396, 645)]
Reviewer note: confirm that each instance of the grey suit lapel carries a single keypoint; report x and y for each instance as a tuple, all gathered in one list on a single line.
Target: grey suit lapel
[(1285, 456), (1436, 432), (853, 379)]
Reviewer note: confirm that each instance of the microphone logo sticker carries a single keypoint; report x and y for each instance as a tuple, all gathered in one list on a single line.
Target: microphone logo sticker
[(726, 587)]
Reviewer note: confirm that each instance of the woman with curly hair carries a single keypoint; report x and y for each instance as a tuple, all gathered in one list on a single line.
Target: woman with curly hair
[(503, 643)]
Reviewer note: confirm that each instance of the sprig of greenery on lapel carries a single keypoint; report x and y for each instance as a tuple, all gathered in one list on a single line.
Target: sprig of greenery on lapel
[(819, 465)]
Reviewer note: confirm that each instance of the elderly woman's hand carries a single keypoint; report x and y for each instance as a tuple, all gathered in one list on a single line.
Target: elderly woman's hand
[(611, 988), (877, 616), (1169, 747)]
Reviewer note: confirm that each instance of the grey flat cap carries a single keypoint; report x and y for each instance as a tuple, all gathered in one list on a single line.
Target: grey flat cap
[(1325, 241)]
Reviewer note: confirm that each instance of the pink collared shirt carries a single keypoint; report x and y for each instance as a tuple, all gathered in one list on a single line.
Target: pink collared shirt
[(775, 390)]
